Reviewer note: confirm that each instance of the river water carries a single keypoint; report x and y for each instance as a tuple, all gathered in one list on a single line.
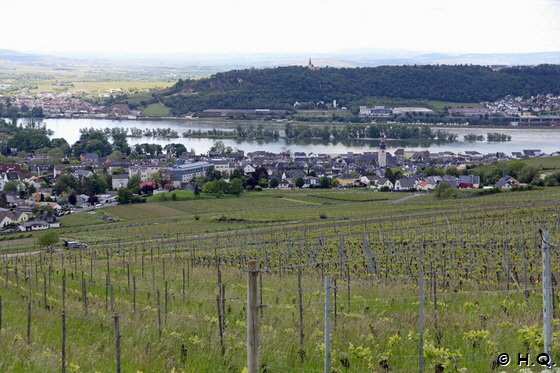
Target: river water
[(545, 139)]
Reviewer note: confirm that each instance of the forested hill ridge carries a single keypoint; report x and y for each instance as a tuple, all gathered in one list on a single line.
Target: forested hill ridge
[(281, 87)]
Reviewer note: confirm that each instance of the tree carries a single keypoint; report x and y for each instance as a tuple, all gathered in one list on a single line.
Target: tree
[(72, 199), (236, 187), (11, 186), (38, 210), (453, 171), (124, 195), (528, 174), (99, 184), (116, 155), (64, 184), (325, 182), (37, 112), (3, 201), (48, 239), (175, 150), (32, 189), (120, 144), (274, 182), (29, 140), (432, 171), (445, 191), (299, 182), (213, 175), (134, 183), (263, 182), (147, 188), (219, 148), (117, 171), (92, 141)]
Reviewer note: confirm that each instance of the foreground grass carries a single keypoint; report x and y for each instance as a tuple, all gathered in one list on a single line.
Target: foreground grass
[(374, 323)]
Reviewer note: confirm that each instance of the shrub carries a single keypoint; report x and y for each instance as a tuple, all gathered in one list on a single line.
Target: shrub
[(322, 216), (445, 191)]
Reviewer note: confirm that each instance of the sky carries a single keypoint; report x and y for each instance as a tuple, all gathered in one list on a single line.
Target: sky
[(279, 26)]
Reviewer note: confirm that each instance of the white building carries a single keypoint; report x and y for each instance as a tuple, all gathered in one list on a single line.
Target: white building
[(144, 172), (376, 111), (382, 158), (412, 110), (119, 181)]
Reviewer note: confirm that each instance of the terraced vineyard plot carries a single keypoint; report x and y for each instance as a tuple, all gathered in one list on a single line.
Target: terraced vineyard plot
[(144, 211), (480, 259)]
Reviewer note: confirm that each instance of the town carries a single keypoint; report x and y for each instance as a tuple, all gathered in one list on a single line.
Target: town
[(37, 189), (541, 109)]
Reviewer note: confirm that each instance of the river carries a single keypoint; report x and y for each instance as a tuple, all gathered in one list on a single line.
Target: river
[(545, 139)]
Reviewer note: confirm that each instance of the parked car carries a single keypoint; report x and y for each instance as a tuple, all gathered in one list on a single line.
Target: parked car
[(74, 245)]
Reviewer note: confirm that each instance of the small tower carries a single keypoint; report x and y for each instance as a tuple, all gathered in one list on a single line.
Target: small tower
[(310, 65), (382, 157)]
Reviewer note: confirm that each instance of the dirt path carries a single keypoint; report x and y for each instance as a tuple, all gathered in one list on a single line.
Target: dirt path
[(407, 198)]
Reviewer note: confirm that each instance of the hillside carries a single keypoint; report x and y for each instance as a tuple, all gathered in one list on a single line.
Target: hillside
[(163, 288), (279, 88)]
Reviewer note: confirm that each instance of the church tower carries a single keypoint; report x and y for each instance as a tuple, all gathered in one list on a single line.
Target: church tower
[(310, 65), (382, 157)]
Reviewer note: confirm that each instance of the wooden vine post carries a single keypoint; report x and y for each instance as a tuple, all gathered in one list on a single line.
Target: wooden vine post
[(252, 317), (547, 291)]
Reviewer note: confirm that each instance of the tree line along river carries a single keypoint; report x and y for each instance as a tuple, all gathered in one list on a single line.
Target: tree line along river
[(545, 139)]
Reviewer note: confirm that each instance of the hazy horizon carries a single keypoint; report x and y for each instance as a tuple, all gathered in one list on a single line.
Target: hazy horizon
[(269, 27)]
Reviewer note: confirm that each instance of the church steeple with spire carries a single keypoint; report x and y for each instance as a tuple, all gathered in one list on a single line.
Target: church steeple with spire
[(310, 65), (382, 155)]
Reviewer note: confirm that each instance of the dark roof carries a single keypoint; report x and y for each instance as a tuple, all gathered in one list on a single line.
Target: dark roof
[(469, 179)]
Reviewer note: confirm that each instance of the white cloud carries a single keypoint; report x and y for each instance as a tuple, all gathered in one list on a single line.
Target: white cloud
[(251, 26)]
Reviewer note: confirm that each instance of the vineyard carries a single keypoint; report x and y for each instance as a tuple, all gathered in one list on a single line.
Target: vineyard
[(357, 281)]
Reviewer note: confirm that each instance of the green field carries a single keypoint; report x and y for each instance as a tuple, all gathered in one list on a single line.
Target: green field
[(77, 220), (546, 164), (162, 265), (438, 106), (156, 110)]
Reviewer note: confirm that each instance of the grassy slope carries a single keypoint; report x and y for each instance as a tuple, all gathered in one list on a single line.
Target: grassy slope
[(156, 110), (80, 219), (374, 321), (547, 164)]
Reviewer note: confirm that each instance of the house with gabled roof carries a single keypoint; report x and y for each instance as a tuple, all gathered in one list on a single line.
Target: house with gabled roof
[(406, 184), (384, 182), (506, 182)]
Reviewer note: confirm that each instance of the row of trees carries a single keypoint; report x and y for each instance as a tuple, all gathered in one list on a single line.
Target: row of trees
[(28, 137), (492, 137), (360, 131), (7, 110), (96, 184)]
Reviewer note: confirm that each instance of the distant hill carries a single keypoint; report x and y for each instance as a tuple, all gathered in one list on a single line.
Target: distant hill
[(279, 88), (10, 56)]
